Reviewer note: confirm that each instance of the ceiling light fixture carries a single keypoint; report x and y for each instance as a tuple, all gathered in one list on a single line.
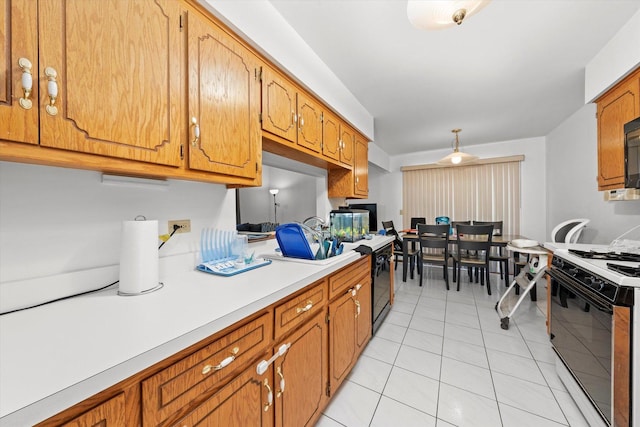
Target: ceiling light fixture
[(457, 158), (433, 15)]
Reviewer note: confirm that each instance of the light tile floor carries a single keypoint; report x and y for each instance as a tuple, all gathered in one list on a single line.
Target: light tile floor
[(441, 359)]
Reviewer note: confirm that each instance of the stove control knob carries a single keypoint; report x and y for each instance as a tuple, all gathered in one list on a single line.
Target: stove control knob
[(573, 271), (594, 283)]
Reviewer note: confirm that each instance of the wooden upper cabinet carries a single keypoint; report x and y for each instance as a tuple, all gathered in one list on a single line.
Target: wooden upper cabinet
[(278, 105), (224, 101), (331, 136), (346, 144), (361, 167), (309, 123), (18, 61), (618, 106), (115, 66)]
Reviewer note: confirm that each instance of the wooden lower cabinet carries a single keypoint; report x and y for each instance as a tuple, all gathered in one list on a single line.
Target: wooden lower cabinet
[(216, 382), (247, 400), (111, 413), (303, 373), (349, 329)]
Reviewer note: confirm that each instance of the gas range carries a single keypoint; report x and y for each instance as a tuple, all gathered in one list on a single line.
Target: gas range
[(621, 269)]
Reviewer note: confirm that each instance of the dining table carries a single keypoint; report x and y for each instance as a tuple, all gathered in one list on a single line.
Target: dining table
[(411, 238)]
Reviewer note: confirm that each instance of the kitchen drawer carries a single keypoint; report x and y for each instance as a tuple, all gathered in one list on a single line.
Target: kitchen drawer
[(348, 276), (204, 371), (297, 310)]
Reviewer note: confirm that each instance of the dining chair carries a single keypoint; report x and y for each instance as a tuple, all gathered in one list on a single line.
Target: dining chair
[(474, 248), (498, 253), (434, 248), (412, 254), (470, 269)]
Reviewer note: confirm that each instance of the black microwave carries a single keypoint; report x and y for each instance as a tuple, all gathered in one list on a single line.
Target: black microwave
[(632, 154)]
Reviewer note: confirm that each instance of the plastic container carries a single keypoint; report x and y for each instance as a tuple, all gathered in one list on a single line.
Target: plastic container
[(293, 242)]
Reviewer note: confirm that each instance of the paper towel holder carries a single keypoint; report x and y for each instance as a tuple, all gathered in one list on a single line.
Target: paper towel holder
[(136, 285)]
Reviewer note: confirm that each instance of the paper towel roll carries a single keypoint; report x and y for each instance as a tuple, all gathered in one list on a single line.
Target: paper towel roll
[(139, 257)]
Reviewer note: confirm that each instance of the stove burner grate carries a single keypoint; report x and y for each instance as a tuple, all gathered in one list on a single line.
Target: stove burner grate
[(609, 256), (627, 270)]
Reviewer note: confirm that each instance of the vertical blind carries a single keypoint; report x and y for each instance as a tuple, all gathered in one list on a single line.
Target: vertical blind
[(484, 192)]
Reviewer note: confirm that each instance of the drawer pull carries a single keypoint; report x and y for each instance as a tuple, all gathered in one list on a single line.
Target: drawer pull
[(269, 396), (305, 308), (279, 372), (225, 362), (27, 83)]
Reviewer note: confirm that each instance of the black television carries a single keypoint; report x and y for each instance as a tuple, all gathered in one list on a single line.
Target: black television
[(373, 213)]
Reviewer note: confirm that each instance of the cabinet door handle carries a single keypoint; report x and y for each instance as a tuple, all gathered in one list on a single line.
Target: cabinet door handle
[(279, 372), (294, 117), (305, 308), (27, 83), (269, 395), (52, 90), (196, 131), (357, 308), (225, 362), (301, 119)]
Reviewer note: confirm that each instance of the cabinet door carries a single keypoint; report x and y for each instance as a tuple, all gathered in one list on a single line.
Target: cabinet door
[(309, 123), (115, 67), (111, 413), (347, 142), (331, 136), (224, 102), (245, 401), (342, 338), (278, 105), (361, 167), (363, 313), (617, 107), (18, 39), (303, 372)]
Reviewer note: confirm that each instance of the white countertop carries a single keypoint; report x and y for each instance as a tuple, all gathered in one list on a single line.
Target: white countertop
[(57, 355)]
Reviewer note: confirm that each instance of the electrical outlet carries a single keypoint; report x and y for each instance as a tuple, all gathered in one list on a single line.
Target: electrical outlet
[(184, 224)]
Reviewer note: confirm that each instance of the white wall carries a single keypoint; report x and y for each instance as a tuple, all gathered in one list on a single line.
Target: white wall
[(572, 189), (57, 220), (619, 56)]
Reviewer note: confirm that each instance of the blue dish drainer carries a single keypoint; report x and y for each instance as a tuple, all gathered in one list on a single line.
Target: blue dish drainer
[(220, 255)]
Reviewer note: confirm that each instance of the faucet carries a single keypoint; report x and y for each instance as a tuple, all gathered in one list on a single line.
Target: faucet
[(321, 254), (319, 222)]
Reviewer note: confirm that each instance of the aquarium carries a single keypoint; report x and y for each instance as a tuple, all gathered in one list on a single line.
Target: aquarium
[(349, 224)]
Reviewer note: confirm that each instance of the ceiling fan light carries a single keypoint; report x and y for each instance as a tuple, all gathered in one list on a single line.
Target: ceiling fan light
[(436, 14), (457, 158)]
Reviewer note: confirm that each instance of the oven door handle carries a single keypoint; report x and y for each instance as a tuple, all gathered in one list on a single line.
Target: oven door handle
[(590, 299)]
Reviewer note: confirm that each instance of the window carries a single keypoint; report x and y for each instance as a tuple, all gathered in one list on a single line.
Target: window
[(488, 191)]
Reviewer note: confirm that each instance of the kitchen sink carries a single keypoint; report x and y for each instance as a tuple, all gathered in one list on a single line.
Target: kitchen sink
[(346, 253)]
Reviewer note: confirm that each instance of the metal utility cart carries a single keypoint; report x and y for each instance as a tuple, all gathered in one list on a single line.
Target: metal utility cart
[(529, 274)]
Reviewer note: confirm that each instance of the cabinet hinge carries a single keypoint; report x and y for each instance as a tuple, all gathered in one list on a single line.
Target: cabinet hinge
[(322, 117), (256, 166), (328, 390), (181, 151), (260, 74), (181, 26), (260, 117), (326, 319)]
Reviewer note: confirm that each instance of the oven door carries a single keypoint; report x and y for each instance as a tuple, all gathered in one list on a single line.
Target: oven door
[(581, 335)]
